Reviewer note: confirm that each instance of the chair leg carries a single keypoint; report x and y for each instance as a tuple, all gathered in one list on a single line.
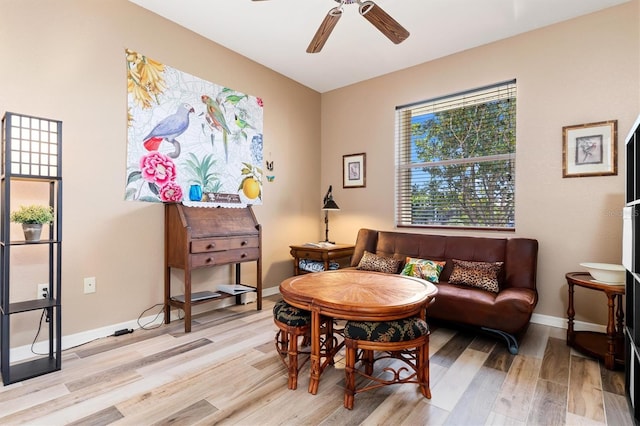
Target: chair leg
[(282, 343), (329, 340), (293, 362), (423, 369), (367, 360), (414, 354), (287, 348), (350, 379)]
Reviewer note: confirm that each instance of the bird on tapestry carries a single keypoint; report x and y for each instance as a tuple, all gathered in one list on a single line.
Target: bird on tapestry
[(242, 124), (168, 129), (215, 119)]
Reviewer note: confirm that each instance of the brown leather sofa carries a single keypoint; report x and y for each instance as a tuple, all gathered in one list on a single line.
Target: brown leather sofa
[(506, 313)]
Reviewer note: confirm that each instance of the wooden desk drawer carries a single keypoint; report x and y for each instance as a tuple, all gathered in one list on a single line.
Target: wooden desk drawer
[(313, 255), (220, 244), (225, 257)]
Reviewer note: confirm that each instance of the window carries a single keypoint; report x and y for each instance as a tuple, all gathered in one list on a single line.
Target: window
[(455, 162)]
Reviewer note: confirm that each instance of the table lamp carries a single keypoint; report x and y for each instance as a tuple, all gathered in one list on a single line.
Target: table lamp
[(328, 204)]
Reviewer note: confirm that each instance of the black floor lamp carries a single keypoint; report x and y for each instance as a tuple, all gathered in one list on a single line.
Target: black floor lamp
[(328, 204)]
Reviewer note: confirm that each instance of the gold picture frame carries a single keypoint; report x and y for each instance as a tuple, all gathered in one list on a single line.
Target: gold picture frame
[(354, 170), (590, 149)]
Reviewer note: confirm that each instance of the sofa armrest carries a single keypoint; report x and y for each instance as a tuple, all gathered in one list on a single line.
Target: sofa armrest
[(521, 262)]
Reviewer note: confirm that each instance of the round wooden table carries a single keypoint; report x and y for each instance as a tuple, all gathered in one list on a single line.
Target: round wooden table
[(354, 295)]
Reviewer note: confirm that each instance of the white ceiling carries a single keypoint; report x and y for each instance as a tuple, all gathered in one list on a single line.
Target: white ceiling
[(276, 33)]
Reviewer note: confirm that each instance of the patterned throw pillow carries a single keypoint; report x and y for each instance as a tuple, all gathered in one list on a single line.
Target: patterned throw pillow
[(422, 268), (399, 330), (315, 265), (483, 275), (373, 262)]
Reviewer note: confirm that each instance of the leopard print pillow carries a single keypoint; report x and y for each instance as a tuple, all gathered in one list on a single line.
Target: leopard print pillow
[(483, 275), (373, 262)]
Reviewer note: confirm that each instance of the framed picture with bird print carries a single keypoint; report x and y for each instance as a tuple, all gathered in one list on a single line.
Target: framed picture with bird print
[(354, 171), (590, 149)]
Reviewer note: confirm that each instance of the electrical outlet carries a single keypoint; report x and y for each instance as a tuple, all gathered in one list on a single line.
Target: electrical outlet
[(43, 291), (90, 285)]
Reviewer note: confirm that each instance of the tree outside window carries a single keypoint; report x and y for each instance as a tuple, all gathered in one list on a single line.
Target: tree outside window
[(456, 160)]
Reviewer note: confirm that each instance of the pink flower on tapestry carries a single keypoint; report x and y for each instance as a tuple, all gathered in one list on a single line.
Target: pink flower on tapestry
[(157, 168), (171, 192)]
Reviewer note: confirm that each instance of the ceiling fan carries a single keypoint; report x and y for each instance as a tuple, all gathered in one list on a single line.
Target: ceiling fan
[(371, 11)]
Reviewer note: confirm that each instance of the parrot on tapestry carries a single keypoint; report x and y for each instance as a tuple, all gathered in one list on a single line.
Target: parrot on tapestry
[(242, 124), (215, 119), (168, 129)]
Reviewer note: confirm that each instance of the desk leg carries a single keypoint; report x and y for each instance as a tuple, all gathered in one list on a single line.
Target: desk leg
[(609, 357), (315, 352), (296, 267), (167, 295), (187, 301)]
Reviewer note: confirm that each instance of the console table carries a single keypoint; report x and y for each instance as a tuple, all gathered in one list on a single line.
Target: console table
[(203, 237), (609, 346), (323, 254)]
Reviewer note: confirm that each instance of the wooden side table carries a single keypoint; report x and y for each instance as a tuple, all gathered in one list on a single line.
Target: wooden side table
[(609, 346), (324, 254)]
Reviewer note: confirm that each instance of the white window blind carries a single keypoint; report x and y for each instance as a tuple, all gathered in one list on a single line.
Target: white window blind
[(455, 160)]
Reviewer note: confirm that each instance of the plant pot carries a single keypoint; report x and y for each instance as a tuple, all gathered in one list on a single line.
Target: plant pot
[(32, 231)]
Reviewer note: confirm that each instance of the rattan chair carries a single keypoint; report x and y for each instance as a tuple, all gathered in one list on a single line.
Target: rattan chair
[(294, 326), (370, 342)]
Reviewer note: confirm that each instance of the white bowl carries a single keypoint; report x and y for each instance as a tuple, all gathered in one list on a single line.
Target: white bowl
[(606, 272)]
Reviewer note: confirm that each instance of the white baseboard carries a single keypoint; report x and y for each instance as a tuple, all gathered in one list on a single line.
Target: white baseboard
[(562, 323), (24, 352), (21, 353)]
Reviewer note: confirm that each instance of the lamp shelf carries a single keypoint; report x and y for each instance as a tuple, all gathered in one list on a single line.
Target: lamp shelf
[(31, 305), (31, 152)]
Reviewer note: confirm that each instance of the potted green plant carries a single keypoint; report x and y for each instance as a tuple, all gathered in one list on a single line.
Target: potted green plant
[(32, 218)]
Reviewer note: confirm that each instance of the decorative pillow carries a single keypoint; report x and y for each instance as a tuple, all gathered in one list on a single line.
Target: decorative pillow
[(422, 268), (373, 262), (483, 275)]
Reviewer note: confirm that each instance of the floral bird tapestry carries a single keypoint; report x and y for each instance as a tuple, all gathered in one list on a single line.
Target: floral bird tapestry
[(190, 140)]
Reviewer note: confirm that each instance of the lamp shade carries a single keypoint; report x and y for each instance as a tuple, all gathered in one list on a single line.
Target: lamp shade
[(330, 205)]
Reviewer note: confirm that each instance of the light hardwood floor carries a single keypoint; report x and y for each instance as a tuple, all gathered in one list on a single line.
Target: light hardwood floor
[(226, 371)]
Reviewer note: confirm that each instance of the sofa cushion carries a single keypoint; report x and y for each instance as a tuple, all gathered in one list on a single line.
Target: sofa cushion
[(483, 275), (423, 268), (290, 315), (373, 262)]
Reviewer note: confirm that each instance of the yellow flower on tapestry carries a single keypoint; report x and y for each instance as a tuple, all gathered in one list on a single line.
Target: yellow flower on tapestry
[(144, 79)]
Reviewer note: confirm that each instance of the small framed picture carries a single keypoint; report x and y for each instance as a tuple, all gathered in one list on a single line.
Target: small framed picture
[(354, 171), (590, 149)]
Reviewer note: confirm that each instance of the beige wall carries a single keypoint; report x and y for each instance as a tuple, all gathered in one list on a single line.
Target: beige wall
[(65, 60), (581, 71)]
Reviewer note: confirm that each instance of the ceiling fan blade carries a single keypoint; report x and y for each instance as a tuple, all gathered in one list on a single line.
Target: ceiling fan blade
[(383, 22), (327, 25)]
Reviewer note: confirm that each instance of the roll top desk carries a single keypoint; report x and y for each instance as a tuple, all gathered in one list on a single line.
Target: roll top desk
[(204, 237)]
